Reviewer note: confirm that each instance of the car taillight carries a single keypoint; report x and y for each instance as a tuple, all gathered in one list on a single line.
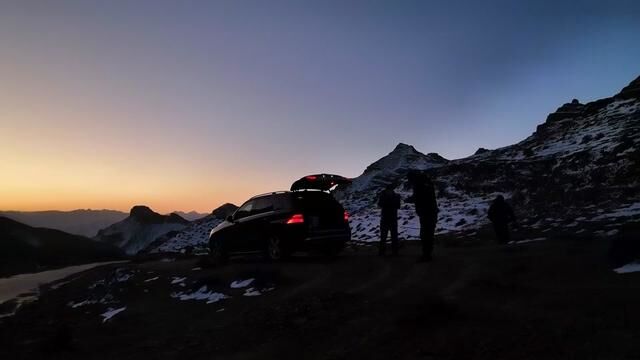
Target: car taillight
[(296, 219), (346, 216)]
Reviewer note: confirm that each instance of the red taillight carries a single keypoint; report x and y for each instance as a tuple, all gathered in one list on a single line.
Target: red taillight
[(296, 219), (311, 177), (346, 216)]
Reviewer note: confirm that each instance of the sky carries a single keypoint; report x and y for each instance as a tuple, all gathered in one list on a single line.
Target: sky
[(186, 105)]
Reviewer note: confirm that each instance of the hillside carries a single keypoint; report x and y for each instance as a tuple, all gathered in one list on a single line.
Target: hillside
[(80, 222), (580, 168), (195, 236), (25, 249), (140, 229)]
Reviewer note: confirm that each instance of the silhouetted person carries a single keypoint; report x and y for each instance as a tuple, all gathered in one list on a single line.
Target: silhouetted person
[(424, 198), (389, 203), (501, 214)]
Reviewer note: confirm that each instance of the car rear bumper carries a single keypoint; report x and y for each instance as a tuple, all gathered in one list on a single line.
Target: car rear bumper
[(325, 239)]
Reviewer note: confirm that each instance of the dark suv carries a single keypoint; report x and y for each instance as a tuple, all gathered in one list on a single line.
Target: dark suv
[(277, 224)]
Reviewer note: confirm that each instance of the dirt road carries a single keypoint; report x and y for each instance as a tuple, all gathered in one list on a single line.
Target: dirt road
[(543, 300)]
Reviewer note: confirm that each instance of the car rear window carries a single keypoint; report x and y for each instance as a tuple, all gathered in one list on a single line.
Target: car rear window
[(274, 202), (317, 201)]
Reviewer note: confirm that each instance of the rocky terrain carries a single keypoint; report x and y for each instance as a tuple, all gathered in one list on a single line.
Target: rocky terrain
[(580, 168), (194, 237)]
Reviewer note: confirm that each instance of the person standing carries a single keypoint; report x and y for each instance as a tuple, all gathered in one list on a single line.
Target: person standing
[(424, 199), (389, 203), (501, 214)]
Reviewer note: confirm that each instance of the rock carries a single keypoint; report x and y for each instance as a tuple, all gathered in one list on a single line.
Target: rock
[(630, 91)]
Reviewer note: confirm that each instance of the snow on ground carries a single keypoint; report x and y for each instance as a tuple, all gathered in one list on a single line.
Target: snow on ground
[(527, 241), (201, 294), (241, 283), (625, 211), (252, 292), (195, 235), (111, 313), (177, 280), (456, 214), (81, 303), (629, 268)]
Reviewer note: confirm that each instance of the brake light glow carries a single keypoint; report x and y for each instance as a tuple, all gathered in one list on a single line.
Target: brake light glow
[(346, 216), (312, 177), (296, 219)]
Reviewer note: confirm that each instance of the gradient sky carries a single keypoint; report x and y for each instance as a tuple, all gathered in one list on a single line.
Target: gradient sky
[(185, 105)]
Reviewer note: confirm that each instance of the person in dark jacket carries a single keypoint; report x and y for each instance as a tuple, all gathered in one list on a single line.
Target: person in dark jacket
[(424, 198), (501, 214), (389, 203)]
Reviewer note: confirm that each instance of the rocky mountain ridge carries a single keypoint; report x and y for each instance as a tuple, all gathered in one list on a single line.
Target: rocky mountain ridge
[(581, 166), (140, 229)]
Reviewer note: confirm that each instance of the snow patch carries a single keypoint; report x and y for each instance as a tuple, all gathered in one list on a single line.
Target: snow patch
[(111, 313), (528, 240), (241, 283), (629, 268), (201, 294), (252, 292), (177, 280)]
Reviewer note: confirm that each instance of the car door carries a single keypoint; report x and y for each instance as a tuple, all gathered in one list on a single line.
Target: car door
[(256, 227), (236, 238)]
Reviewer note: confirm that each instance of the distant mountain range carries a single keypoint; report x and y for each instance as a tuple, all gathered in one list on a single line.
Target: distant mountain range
[(83, 222), (25, 249)]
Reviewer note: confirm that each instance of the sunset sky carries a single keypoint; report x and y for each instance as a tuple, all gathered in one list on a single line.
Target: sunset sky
[(185, 105)]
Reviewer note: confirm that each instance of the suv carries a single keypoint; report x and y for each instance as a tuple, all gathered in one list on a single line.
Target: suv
[(277, 224)]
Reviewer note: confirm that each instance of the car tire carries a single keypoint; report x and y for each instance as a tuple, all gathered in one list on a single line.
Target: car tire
[(217, 253)]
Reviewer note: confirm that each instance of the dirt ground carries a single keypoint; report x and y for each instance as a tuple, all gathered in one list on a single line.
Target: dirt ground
[(553, 299)]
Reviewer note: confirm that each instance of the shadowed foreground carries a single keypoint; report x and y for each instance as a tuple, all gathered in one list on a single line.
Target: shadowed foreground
[(554, 299)]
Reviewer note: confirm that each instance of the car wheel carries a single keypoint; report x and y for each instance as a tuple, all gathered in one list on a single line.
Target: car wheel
[(217, 253), (274, 249)]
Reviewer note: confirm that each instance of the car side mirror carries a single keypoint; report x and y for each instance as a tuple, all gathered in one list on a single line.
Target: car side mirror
[(230, 218)]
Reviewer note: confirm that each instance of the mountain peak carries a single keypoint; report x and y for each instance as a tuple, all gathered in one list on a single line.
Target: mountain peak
[(223, 211), (142, 212), (404, 148), (630, 91)]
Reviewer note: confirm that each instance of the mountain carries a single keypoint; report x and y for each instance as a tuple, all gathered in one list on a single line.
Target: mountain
[(79, 222), (580, 168), (196, 235), (140, 229), (24, 248), (191, 215)]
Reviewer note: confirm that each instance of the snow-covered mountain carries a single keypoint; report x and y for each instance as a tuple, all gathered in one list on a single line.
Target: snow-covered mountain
[(195, 236), (140, 229), (581, 167)]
